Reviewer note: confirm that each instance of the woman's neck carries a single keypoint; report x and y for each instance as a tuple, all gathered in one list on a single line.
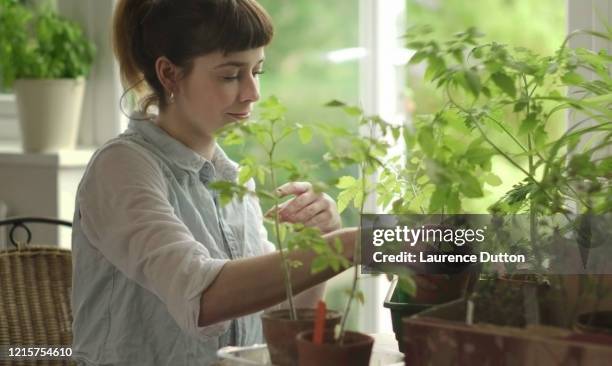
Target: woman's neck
[(183, 131)]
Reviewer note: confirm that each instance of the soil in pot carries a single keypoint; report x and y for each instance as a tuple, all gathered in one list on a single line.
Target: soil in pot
[(280, 332), (595, 322), (355, 350)]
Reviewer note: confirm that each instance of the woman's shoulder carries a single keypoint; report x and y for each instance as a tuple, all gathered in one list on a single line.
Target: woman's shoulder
[(123, 152), (120, 161)]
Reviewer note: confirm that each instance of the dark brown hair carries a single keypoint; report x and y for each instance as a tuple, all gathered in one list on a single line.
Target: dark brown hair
[(144, 30)]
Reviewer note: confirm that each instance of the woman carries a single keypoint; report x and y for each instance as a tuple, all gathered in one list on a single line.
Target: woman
[(163, 275)]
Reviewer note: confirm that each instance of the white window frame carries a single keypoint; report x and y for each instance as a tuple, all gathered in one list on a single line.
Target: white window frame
[(588, 15), (380, 83)]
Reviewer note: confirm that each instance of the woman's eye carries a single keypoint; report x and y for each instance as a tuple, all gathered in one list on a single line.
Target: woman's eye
[(236, 77)]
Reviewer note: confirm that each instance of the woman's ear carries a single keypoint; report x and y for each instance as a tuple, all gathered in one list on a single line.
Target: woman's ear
[(167, 73)]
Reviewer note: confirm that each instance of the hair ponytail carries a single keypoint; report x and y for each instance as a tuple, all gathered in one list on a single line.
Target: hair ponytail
[(128, 41)]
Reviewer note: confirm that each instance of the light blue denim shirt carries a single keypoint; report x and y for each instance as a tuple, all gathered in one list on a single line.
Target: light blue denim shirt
[(148, 239)]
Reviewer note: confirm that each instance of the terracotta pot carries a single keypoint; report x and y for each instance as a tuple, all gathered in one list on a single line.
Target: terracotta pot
[(440, 336), (355, 351), (280, 332), (438, 289)]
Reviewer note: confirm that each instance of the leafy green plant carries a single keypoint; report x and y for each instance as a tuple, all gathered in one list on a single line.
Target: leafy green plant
[(370, 152), (269, 132), (346, 147), (501, 80), (40, 44), (500, 104)]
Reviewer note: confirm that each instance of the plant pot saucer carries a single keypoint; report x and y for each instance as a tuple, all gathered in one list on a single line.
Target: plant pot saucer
[(257, 355)]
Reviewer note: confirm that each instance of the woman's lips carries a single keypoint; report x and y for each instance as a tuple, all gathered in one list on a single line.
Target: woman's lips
[(240, 115)]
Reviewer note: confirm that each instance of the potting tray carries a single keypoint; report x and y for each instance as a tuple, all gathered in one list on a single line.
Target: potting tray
[(258, 355)]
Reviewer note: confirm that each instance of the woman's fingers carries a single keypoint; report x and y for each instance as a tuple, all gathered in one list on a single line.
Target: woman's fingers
[(307, 207)]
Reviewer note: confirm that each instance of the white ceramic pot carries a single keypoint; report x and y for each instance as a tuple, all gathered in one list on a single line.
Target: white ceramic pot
[(49, 112)]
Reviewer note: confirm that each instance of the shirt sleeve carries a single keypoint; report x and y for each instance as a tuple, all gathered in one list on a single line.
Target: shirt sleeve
[(126, 215)]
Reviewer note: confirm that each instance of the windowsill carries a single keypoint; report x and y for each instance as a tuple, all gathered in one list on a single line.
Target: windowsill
[(12, 154)]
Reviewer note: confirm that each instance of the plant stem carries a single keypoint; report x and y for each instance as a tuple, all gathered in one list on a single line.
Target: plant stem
[(285, 265), (533, 235), (356, 261)]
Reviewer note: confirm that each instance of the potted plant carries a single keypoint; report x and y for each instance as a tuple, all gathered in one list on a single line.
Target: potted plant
[(346, 148), (507, 101), (45, 58), (268, 132), (369, 153)]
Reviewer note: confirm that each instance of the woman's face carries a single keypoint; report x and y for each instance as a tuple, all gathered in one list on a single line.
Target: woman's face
[(220, 89)]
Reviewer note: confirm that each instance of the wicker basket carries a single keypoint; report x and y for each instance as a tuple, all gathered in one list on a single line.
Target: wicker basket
[(35, 309)]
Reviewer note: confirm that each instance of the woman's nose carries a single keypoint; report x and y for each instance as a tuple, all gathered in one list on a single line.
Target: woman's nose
[(249, 91)]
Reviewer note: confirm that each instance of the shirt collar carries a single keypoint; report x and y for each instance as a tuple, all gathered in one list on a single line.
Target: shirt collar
[(220, 165)]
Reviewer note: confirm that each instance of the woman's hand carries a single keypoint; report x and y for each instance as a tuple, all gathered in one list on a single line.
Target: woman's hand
[(307, 207)]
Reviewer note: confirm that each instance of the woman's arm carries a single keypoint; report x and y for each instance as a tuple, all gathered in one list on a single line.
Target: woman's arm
[(258, 282)]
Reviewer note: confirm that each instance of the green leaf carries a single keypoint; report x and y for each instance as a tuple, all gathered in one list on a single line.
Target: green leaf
[(572, 78), (335, 103), (305, 134), (319, 264), (540, 136), (245, 173), (520, 105), (436, 66), (352, 111), (528, 125), (600, 99), (344, 198), (473, 81), (407, 285), (493, 180), (418, 57), (426, 140), (478, 155), (453, 203), (233, 138), (358, 200), (505, 83), (438, 198), (470, 186), (346, 182)]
